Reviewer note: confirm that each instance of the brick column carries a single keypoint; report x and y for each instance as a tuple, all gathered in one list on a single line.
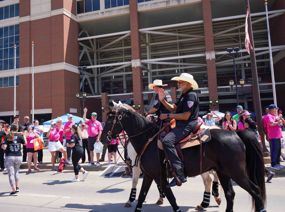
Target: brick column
[(136, 55), (210, 54), (105, 106)]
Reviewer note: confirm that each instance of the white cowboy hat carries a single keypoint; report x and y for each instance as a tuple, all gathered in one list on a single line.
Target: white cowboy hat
[(156, 82), (187, 78)]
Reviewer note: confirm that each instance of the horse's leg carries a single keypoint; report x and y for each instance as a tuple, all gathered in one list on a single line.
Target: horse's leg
[(228, 190), (252, 189), (147, 180), (161, 196), (168, 193), (136, 174), (207, 180), (215, 188)]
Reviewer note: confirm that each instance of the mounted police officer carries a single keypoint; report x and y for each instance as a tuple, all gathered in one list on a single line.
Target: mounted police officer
[(185, 112), (157, 107)]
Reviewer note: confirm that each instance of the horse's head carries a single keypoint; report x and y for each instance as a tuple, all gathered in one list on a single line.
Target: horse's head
[(116, 118)]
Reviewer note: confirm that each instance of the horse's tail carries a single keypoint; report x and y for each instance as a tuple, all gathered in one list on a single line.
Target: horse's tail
[(254, 160)]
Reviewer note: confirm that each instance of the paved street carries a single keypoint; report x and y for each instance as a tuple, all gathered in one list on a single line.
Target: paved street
[(49, 191)]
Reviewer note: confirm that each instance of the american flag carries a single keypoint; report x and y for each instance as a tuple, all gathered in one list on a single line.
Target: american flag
[(248, 43)]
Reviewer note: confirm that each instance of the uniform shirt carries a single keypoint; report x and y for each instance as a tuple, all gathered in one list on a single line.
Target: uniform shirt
[(67, 130), (188, 102), (14, 147), (273, 132), (56, 134), (94, 127), (159, 106)]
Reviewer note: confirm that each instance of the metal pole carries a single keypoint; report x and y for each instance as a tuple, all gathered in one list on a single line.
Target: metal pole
[(270, 55), (255, 83), (15, 78), (33, 81), (235, 70)]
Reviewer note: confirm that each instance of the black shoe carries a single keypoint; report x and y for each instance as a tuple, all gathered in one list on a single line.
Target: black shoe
[(101, 160), (13, 193), (174, 182), (270, 176), (17, 189)]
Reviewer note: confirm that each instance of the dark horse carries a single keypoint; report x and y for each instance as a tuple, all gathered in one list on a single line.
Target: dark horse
[(232, 155)]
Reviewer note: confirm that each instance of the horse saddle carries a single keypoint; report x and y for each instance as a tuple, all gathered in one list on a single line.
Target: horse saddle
[(199, 136)]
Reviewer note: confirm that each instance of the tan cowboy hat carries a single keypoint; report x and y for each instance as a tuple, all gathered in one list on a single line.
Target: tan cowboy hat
[(187, 78), (157, 83)]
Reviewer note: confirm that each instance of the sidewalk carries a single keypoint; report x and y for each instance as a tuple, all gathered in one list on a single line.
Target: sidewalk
[(46, 165)]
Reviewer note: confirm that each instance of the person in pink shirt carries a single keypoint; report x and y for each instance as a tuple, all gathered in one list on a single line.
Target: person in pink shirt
[(94, 129), (55, 135), (274, 132), (228, 123), (112, 150), (67, 133), (31, 153)]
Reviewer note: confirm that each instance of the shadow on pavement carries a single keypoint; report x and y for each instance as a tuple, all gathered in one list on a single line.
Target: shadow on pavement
[(58, 182), (120, 207), (112, 190)]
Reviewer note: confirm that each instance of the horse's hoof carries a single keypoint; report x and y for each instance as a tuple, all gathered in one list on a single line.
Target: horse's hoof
[(128, 205), (218, 200), (159, 202), (199, 208)]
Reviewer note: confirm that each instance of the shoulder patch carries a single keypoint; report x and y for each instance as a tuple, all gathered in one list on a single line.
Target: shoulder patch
[(190, 104)]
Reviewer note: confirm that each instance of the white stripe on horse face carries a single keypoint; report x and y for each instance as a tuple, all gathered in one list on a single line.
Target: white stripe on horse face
[(131, 152)]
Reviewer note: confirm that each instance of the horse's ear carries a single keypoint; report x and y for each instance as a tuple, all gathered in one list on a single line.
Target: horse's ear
[(115, 104)]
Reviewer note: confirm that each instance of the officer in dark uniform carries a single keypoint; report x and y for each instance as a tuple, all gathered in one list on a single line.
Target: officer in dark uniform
[(158, 107), (185, 112)]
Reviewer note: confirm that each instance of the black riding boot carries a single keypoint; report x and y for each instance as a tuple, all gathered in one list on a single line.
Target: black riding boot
[(179, 178)]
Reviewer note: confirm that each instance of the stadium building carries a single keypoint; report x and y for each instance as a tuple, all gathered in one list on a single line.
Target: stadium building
[(62, 55)]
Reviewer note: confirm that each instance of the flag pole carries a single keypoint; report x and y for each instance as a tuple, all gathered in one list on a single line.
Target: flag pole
[(15, 83), (254, 73), (270, 54), (33, 81)]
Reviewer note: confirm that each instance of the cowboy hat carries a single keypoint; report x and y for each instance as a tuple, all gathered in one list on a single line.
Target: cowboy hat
[(156, 83), (187, 78)]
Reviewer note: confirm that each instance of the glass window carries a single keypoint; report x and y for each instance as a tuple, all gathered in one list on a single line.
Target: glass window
[(5, 82), (1, 54), (113, 3), (6, 12), (96, 5), (1, 13), (1, 64), (6, 42), (1, 43), (88, 5), (6, 53), (11, 30), (12, 10), (1, 82), (11, 81), (1, 32), (107, 4), (5, 64), (17, 80), (16, 29), (16, 9), (6, 31)]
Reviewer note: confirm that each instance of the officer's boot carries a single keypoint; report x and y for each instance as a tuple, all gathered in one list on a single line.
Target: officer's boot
[(179, 178)]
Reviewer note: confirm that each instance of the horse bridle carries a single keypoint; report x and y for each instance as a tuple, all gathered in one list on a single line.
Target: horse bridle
[(119, 117)]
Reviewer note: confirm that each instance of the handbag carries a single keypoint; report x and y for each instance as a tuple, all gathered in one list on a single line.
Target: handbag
[(98, 147), (38, 144)]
